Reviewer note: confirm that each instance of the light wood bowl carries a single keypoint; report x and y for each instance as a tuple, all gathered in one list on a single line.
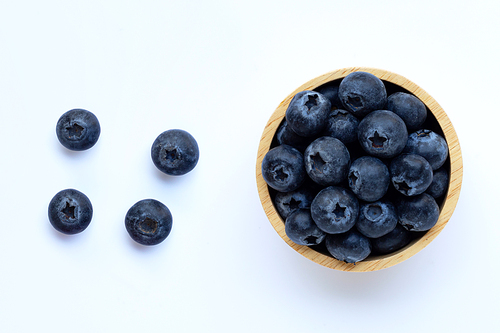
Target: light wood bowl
[(447, 206)]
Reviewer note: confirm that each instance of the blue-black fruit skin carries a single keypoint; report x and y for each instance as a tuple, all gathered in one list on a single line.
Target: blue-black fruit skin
[(175, 152), (411, 174), (409, 108), (286, 136), (369, 178), (287, 202), (440, 183), (307, 121), (331, 92), (327, 161), (398, 238), (283, 168), (330, 200), (301, 229), (382, 134), (144, 212), (418, 213), (350, 247), (383, 221), (341, 124), (428, 144), (362, 93), (81, 211), (87, 133)]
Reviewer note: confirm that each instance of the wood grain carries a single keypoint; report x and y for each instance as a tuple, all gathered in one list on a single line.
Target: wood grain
[(448, 206)]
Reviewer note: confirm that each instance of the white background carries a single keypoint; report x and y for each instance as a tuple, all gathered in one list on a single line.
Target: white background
[(218, 69)]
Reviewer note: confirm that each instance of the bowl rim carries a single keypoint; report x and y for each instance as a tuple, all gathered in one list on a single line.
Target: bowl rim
[(447, 207)]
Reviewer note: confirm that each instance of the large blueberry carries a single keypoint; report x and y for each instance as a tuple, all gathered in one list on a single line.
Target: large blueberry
[(307, 112), (361, 93), (342, 125), (148, 222), (409, 108), (392, 241), (418, 213), (78, 129), (327, 161), (175, 152), (301, 229), (335, 210), (440, 183), (70, 211), (349, 247), (377, 219), (283, 168), (428, 144), (382, 134), (411, 174), (369, 178), (287, 202)]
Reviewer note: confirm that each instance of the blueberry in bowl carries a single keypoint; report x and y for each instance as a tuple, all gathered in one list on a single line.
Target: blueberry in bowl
[(401, 205)]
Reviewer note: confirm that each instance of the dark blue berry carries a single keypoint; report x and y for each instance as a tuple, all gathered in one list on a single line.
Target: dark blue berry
[(301, 229), (286, 136), (283, 168), (393, 241), (327, 161), (342, 125), (361, 93), (411, 174), (331, 92), (78, 129), (307, 113), (350, 247), (70, 211), (409, 108), (335, 210), (418, 213), (382, 134), (430, 145), (287, 202), (148, 222), (369, 178), (440, 183), (175, 152), (377, 219)]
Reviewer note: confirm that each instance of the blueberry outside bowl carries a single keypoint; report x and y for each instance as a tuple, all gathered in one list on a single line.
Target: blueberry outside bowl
[(447, 204)]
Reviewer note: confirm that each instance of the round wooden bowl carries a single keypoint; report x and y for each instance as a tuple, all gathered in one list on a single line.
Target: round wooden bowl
[(447, 205)]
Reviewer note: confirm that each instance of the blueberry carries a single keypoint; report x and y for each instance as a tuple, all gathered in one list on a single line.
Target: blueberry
[(361, 93), (301, 229), (411, 174), (331, 92), (409, 108), (307, 112), (286, 203), (78, 129), (327, 161), (148, 222), (283, 168), (175, 152), (349, 247), (369, 178), (382, 134), (430, 145), (440, 183), (418, 213), (342, 125), (377, 219), (286, 136), (398, 238), (335, 210), (70, 211)]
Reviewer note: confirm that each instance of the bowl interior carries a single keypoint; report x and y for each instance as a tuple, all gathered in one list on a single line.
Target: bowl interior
[(438, 121)]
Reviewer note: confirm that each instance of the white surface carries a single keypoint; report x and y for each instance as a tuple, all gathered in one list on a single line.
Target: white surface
[(218, 69)]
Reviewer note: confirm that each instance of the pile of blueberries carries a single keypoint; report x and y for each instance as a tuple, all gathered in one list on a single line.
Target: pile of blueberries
[(148, 222), (358, 167)]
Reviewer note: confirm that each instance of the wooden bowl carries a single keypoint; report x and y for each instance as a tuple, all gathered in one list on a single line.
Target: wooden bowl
[(447, 205)]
